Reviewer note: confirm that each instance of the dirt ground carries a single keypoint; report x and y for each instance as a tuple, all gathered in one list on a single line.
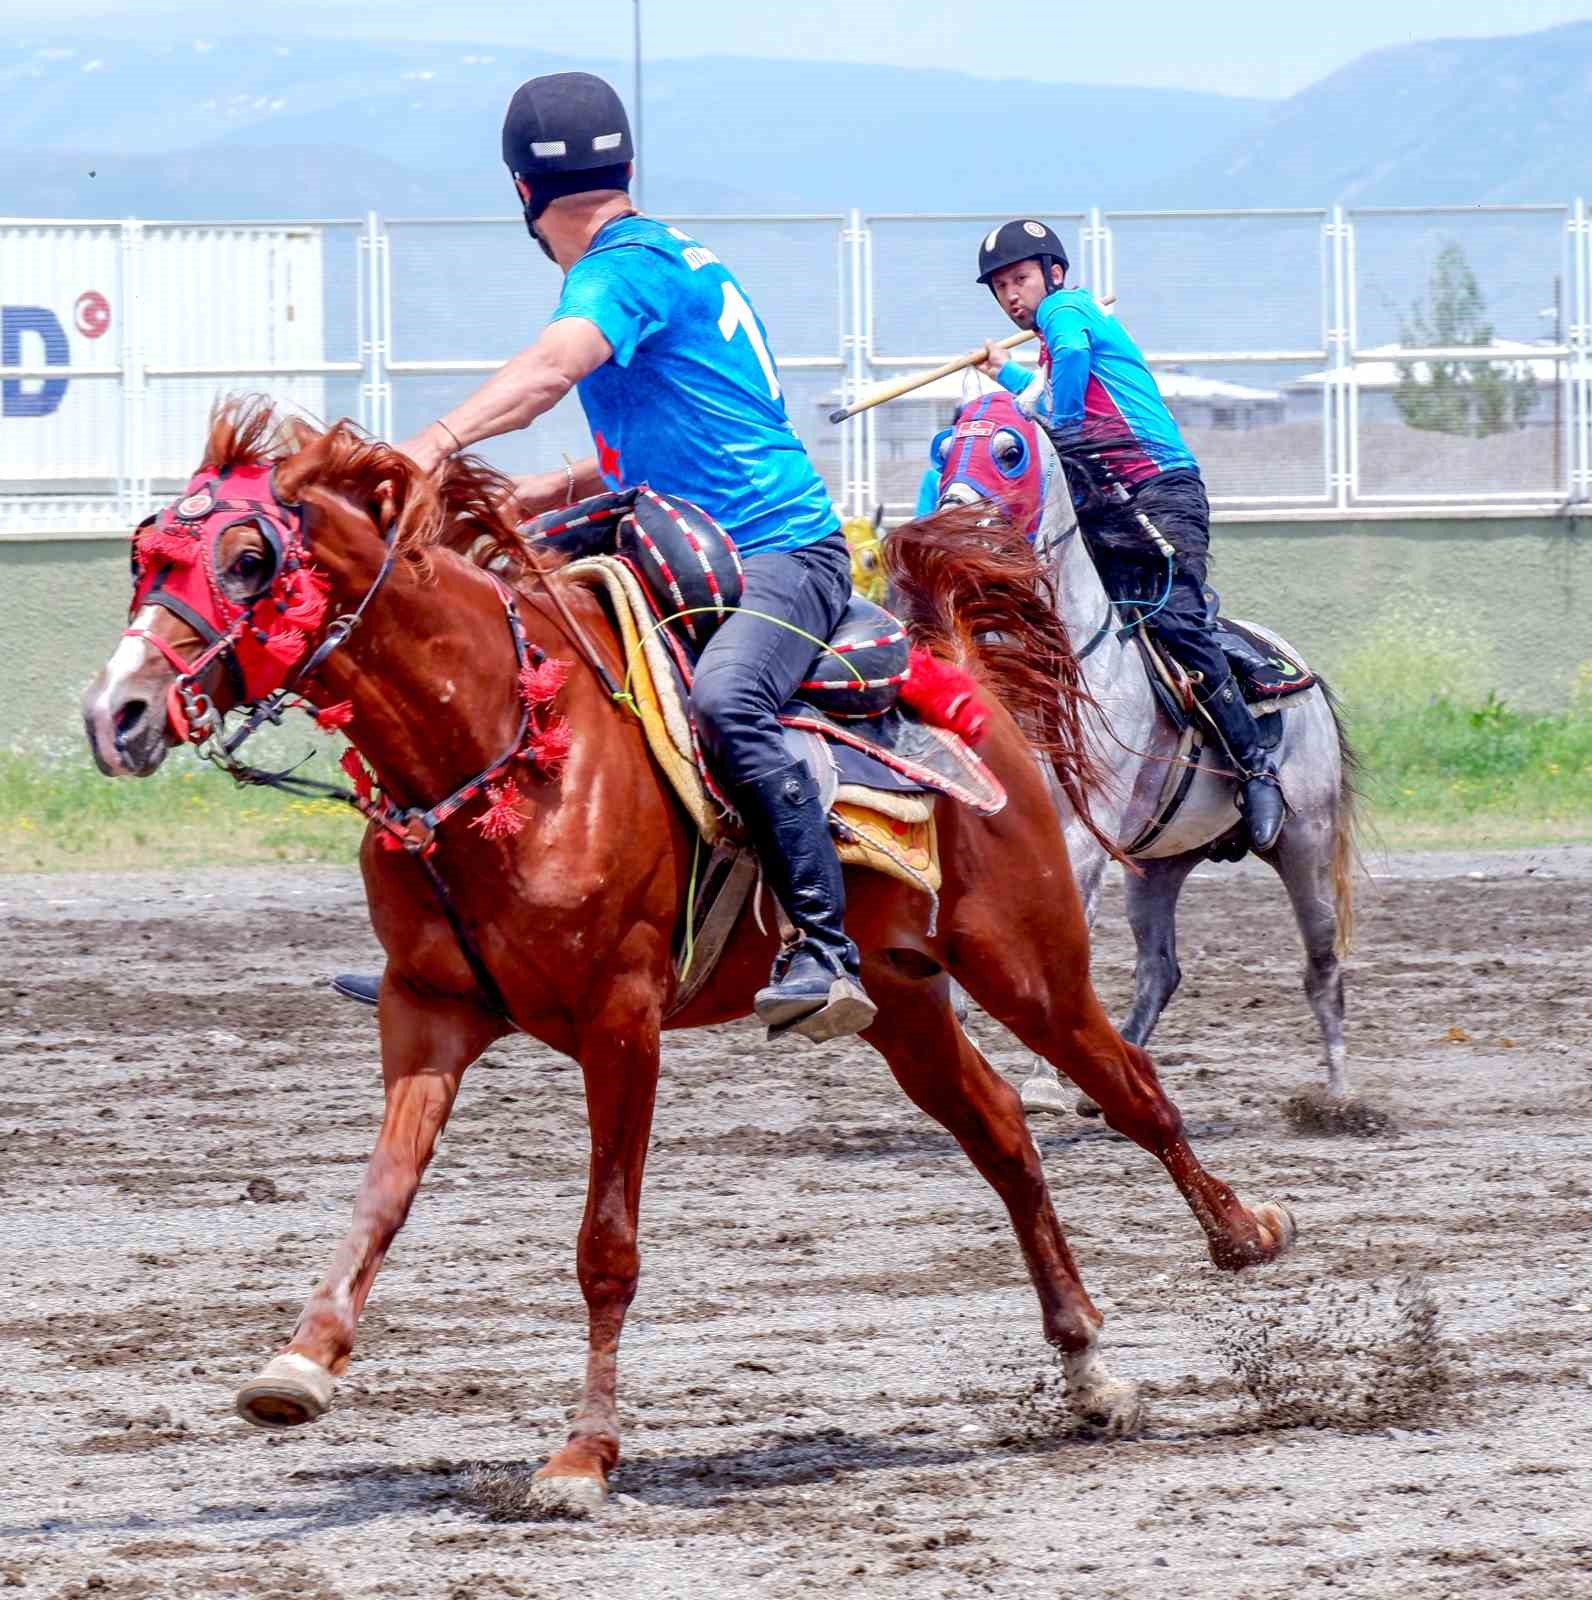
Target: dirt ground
[(833, 1378)]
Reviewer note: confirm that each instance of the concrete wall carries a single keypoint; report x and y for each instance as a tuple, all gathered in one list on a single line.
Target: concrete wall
[(1527, 583), (1522, 587)]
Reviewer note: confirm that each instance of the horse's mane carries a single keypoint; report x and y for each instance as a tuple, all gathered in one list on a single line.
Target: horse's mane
[(464, 508), (972, 590)]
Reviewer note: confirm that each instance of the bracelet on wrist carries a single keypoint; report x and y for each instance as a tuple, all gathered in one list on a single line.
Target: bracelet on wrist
[(451, 434)]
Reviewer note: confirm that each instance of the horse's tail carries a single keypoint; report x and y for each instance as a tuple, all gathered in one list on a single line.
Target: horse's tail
[(970, 589), (1345, 827)]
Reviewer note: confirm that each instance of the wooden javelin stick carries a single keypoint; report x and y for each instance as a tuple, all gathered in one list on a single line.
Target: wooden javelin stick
[(894, 391)]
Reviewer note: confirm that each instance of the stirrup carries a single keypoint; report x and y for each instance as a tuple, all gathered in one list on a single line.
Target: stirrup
[(821, 1003)]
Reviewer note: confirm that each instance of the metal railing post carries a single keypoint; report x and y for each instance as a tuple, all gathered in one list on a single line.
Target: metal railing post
[(853, 352), (870, 419), (133, 481), (1339, 344), (1579, 419), (375, 391)]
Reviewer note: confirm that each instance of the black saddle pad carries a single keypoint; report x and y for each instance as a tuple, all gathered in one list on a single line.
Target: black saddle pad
[(1265, 671)]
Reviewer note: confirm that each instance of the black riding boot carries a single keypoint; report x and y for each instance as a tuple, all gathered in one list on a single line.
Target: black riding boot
[(357, 986), (1260, 795), (816, 986)]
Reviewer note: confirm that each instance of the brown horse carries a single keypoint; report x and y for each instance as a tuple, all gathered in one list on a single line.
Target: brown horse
[(571, 919)]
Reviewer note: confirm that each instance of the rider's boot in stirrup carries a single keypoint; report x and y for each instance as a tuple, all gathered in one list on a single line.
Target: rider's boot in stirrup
[(356, 986), (1260, 794), (816, 986)]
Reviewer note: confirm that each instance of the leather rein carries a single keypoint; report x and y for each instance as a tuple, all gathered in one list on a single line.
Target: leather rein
[(411, 828)]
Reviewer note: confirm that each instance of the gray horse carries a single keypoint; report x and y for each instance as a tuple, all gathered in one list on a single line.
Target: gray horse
[(1138, 745)]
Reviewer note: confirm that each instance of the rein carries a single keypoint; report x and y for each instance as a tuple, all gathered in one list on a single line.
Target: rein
[(410, 828)]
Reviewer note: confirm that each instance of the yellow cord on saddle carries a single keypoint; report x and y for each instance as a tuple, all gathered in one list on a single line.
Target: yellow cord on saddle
[(624, 696), (690, 907)]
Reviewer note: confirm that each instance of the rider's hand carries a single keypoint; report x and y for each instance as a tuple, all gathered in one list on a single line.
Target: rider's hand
[(994, 358), (428, 449), (537, 492)]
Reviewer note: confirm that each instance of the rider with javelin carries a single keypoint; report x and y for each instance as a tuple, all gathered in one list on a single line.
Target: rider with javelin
[(1146, 514), (677, 381)]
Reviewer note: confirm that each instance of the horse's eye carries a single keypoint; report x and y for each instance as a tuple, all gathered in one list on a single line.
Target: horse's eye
[(249, 564), (1009, 450)]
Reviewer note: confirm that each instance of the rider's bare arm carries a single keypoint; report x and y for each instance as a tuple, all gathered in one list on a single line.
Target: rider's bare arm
[(537, 492), (517, 393)]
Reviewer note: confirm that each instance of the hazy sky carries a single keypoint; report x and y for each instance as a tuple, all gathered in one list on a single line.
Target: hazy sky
[(1254, 47)]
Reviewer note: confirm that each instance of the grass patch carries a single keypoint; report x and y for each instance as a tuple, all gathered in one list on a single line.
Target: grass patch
[(57, 814), (1445, 760)]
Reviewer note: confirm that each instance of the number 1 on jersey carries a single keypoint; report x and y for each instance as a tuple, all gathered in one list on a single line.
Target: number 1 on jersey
[(738, 317)]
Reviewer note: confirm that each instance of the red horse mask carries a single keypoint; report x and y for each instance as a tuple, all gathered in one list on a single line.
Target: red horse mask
[(262, 625)]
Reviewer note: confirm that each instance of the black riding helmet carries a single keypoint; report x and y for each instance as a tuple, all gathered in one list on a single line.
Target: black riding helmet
[(1022, 240), (565, 133)]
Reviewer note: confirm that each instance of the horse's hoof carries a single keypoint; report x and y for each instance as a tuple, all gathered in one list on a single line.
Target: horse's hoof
[(1113, 1411), (566, 1499), (1103, 1404), (1279, 1222), (1085, 1107), (1043, 1092), (290, 1391)]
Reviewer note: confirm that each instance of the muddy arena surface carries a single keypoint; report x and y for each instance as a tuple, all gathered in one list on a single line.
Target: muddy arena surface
[(833, 1380)]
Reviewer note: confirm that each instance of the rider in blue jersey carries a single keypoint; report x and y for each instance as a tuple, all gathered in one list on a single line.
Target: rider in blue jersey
[(677, 381), (1145, 511)]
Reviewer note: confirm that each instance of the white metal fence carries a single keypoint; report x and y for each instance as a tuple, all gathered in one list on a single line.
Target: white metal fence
[(1320, 362)]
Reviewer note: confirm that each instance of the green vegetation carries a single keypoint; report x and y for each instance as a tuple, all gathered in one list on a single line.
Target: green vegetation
[(58, 814), (1470, 397), (1445, 760)]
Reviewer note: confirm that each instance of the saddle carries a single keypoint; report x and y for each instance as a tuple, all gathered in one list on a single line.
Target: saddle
[(652, 560), (1269, 679)]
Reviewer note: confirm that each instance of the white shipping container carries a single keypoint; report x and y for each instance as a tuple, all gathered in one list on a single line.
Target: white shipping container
[(89, 299)]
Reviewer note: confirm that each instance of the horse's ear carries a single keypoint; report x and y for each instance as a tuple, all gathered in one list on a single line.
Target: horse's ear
[(311, 451)]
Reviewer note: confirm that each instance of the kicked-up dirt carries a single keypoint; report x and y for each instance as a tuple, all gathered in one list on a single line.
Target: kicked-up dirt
[(833, 1379)]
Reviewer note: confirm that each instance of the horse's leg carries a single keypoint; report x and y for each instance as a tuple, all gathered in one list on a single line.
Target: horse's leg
[(1041, 991), (1303, 860), (1042, 1089), (425, 1047), (1151, 896), (943, 1073), (619, 1060)]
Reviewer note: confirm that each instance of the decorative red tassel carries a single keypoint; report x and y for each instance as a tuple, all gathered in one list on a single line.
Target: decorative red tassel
[(307, 594), (538, 685), (947, 696), (287, 645), (359, 774), (157, 545), (330, 718), (502, 820), (548, 748)]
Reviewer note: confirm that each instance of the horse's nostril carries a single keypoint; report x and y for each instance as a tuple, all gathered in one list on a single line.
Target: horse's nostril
[(130, 715)]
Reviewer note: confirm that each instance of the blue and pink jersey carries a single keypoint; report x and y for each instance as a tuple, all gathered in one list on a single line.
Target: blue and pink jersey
[(1094, 378)]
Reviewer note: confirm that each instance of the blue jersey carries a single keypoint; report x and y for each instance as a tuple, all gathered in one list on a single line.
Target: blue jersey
[(1094, 378), (690, 401)]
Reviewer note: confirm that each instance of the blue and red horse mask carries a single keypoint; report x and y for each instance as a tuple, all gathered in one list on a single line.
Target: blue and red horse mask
[(991, 452)]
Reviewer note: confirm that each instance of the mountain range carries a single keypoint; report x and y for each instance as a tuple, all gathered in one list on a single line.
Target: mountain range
[(258, 125)]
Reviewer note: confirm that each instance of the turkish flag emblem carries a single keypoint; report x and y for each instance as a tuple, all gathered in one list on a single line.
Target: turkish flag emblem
[(608, 461), (92, 314)]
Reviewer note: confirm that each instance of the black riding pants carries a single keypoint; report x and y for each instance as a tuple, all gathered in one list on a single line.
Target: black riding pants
[(1176, 503), (752, 665)]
